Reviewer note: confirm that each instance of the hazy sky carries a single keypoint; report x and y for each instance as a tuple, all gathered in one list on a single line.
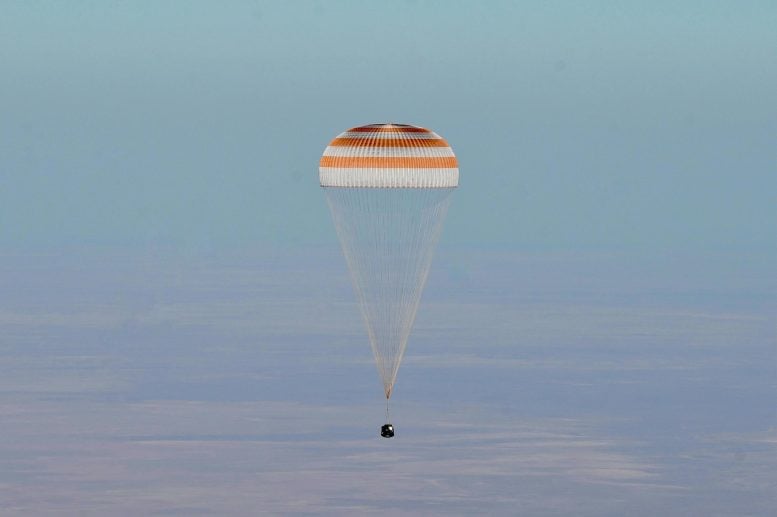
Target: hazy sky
[(557, 365), (578, 125)]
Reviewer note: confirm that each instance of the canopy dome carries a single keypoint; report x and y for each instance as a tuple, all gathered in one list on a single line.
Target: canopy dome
[(389, 156)]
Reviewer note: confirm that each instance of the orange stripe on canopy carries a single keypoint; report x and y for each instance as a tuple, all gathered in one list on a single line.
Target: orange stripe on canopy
[(388, 142), (390, 129), (388, 162)]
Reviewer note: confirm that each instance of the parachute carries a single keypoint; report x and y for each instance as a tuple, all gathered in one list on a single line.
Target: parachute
[(388, 187)]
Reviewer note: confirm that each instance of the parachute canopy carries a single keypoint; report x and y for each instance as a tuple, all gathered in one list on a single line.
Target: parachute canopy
[(389, 156), (388, 187)]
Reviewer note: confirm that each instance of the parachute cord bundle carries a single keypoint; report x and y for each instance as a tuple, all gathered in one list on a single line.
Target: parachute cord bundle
[(388, 236)]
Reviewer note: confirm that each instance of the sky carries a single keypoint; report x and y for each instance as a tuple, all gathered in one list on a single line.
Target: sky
[(178, 335), (596, 126)]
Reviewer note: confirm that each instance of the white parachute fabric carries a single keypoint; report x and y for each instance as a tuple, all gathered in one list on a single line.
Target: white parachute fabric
[(388, 236)]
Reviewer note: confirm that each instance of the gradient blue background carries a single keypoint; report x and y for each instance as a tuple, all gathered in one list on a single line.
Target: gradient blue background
[(578, 125), (177, 331)]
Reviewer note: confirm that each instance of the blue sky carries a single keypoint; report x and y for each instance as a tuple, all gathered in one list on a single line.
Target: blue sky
[(177, 330), (579, 125)]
